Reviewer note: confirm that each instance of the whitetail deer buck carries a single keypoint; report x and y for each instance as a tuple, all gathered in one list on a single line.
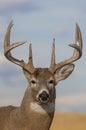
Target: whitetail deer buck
[(38, 105)]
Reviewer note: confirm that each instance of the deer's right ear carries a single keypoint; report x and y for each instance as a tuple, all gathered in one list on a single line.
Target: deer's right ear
[(64, 72), (27, 74)]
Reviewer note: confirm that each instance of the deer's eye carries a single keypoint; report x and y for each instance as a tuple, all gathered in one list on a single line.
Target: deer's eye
[(51, 82), (33, 81)]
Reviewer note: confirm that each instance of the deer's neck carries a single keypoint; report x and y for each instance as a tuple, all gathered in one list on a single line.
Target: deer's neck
[(36, 116)]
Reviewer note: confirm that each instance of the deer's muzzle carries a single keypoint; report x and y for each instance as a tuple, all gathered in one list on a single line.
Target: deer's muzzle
[(43, 97)]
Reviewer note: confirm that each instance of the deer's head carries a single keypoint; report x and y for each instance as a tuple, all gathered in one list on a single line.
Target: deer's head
[(42, 81)]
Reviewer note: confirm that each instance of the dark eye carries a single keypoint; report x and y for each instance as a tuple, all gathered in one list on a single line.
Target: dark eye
[(51, 82), (33, 82)]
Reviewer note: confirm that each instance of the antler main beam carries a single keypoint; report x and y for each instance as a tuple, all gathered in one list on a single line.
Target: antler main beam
[(76, 55), (8, 47)]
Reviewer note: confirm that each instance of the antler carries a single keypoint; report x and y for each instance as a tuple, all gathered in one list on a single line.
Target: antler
[(7, 48), (76, 55), (52, 66)]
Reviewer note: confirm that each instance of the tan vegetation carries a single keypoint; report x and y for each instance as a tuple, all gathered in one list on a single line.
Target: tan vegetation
[(69, 121)]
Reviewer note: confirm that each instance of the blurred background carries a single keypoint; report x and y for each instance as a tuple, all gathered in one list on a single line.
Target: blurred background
[(39, 22)]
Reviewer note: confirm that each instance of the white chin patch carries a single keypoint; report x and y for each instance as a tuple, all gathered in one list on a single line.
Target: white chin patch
[(42, 109)]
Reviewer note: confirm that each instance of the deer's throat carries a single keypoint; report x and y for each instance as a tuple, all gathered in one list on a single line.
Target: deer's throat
[(42, 108)]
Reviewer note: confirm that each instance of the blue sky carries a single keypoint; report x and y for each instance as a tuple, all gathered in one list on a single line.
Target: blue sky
[(39, 22)]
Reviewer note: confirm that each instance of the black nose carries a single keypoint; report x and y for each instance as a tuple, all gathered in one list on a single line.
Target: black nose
[(44, 96)]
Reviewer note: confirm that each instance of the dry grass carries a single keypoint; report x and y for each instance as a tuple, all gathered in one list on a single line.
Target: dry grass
[(69, 121)]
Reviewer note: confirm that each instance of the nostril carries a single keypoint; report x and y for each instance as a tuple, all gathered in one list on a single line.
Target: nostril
[(44, 96)]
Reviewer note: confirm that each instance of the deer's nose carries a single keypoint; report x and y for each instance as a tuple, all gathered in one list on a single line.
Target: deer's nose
[(44, 96)]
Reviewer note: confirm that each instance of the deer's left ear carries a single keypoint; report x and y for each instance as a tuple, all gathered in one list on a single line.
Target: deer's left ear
[(64, 72)]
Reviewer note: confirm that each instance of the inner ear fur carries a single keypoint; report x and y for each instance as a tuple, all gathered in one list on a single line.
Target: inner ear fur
[(63, 72)]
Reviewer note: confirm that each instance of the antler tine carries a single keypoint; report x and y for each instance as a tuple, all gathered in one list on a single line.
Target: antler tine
[(29, 66), (53, 55), (78, 44), (30, 56), (8, 47), (77, 50)]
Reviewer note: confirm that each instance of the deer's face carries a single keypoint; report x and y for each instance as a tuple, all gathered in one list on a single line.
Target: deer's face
[(41, 85)]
